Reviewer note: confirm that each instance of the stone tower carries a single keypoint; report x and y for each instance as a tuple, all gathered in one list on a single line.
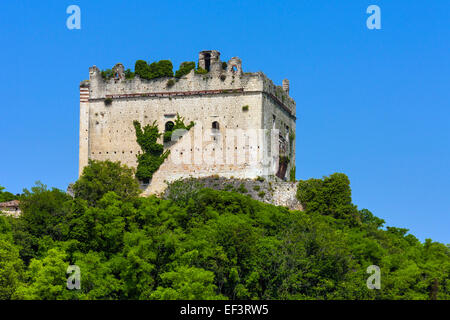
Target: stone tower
[(244, 124)]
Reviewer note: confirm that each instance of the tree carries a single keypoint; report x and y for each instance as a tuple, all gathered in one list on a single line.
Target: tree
[(98, 280), (329, 196), (6, 196), (187, 283), (11, 266), (163, 68), (46, 278), (101, 177)]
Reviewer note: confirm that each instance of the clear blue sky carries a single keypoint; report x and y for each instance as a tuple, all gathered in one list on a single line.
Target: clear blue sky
[(374, 104)]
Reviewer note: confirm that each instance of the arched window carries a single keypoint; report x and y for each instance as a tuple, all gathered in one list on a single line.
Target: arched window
[(169, 126), (215, 125)]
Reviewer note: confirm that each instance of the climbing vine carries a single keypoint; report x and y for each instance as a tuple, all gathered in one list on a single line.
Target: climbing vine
[(153, 154), (179, 124), (292, 174)]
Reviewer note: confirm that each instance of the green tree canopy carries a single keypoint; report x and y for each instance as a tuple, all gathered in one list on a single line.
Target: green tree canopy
[(201, 243), (101, 177)]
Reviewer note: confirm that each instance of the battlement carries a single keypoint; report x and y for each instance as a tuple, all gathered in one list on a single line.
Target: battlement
[(218, 80)]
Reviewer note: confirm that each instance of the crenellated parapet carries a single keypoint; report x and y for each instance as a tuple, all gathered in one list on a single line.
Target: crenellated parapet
[(218, 80)]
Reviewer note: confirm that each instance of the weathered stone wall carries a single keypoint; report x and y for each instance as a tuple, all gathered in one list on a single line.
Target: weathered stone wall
[(273, 191), (232, 98), (194, 156), (277, 118)]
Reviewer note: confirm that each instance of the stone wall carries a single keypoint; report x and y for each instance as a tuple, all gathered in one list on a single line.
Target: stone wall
[(271, 190), (229, 97)]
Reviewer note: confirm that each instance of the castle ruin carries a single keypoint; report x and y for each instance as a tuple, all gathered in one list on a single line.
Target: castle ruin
[(226, 104)]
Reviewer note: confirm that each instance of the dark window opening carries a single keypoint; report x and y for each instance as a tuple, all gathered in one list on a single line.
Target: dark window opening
[(207, 60), (169, 126), (215, 125)]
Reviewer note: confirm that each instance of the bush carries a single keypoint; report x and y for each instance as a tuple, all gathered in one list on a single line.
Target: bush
[(185, 68), (163, 68), (256, 188), (170, 83), (228, 187), (242, 189), (101, 177), (245, 108), (180, 191), (107, 74), (201, 71), (129, 74), (261, 194)]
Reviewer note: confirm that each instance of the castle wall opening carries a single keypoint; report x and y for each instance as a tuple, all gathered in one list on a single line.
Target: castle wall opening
[(207, 61)]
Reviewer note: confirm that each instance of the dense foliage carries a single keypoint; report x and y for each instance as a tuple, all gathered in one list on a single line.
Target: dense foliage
[(6, 196), (206, 244), (100, 177), (153, 154), (157, 69), (185, 68), (163, 68)]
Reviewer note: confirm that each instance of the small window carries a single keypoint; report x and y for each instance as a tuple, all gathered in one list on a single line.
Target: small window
[(169, 126), (215, 125)]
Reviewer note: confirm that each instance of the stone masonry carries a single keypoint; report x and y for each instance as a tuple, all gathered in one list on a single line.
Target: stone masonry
[(224, 103)]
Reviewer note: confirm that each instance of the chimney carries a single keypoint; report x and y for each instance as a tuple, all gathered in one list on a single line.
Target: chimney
[(286, 85)]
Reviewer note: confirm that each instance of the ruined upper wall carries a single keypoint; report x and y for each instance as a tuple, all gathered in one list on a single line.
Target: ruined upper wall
[(231, 79)]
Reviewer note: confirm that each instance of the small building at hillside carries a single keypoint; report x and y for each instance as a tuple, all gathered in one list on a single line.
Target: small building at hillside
[(10, 208)]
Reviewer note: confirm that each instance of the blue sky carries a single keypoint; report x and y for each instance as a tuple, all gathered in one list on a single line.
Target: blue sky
[(374, 104)]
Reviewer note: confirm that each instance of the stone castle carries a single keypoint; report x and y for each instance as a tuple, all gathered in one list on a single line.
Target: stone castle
[(244, 124)]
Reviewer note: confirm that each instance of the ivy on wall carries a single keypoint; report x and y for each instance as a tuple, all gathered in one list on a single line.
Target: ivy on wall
[(179, 124), (292, 174), (153, 154)]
